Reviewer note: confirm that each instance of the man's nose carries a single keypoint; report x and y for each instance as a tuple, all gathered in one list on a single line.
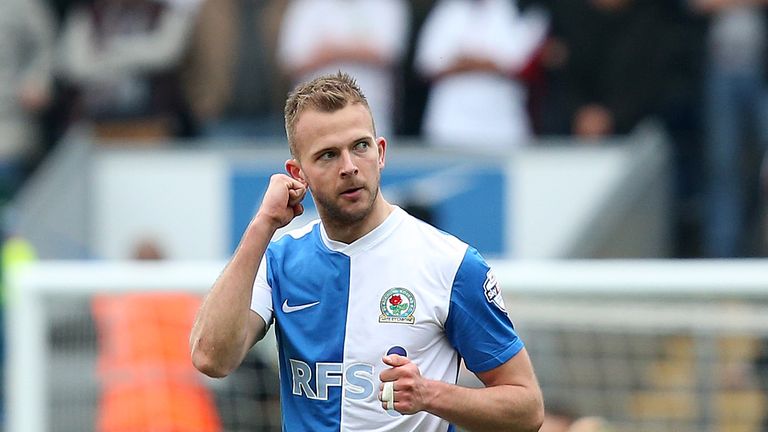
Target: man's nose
[(348, 166)]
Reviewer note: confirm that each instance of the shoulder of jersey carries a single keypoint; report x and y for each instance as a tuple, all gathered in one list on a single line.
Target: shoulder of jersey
[(297, 233), (435, 236)]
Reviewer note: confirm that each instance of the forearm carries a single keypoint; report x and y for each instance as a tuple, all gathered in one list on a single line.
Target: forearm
[(503, 407), (714, 6), (159, 50), (465, 65), (341, 53), (222, 333)]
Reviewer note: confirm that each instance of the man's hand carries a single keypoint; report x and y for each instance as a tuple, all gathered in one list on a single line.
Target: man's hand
[(282, 201), (593, 121), (510, 401), (33, 97), (410, 388)]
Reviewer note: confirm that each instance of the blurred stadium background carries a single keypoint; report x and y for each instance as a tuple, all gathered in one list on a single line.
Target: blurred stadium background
[(116, 220)]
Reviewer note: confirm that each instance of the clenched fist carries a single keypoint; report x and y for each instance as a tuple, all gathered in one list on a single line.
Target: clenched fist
[(282, 201)]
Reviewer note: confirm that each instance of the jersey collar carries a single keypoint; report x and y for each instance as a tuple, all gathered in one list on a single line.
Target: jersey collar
[(367, 241)]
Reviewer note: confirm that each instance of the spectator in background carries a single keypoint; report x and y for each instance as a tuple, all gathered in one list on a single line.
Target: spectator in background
[(763, 237), (26, 51), (681, 114), (736, 98), (365, 38), (472, 52), (60, 9), (606, 63), (123, 57), (561, 419), (256, 86), (207, 70), (415, 88), (610, 64)]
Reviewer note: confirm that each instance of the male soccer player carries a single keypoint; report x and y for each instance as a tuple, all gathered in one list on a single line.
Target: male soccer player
[(374, 310)]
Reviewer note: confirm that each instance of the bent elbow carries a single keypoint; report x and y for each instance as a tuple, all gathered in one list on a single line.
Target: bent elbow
[(209, 365), (537, 420), (537, 416)]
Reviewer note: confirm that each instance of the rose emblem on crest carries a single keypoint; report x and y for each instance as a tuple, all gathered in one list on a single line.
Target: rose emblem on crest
[(397, 306)]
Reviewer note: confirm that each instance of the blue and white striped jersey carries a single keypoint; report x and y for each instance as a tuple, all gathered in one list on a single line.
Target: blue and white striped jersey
[(338, 308)]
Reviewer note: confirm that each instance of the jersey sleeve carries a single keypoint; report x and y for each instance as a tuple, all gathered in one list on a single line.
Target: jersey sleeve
[(261, 299), (478, 325)]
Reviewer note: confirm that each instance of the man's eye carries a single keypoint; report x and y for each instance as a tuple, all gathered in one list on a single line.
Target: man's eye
[(362, 145), (327, 155)]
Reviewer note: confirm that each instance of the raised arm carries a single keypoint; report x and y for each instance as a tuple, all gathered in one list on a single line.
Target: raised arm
[(225, 327)]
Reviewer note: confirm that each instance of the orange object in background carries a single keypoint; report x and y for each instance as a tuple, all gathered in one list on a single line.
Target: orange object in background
[(147, 378)]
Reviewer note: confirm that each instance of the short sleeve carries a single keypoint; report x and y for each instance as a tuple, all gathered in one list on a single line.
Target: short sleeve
[(478, 325), (261, 299)]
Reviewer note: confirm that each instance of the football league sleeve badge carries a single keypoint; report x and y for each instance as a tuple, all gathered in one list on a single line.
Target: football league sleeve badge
[(493, 291)]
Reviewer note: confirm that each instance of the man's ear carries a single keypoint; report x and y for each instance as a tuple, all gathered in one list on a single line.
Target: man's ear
[(293, 168), (381, 144)]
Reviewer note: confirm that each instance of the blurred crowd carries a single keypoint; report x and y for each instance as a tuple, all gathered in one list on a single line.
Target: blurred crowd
[(483, 73)]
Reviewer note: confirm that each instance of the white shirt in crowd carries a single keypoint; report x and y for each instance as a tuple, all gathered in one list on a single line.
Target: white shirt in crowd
[(481, 109), (312, 29)]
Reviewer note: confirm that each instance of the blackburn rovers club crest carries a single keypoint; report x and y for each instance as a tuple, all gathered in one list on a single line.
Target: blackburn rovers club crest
[(397, 306)]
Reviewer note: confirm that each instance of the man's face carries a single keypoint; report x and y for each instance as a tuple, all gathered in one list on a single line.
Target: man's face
[(339, 158)]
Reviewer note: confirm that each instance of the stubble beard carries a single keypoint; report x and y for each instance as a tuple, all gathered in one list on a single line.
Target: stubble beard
[(336, 215)]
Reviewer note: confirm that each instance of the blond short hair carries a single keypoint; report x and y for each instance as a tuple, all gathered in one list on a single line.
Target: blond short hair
[(326, 93)]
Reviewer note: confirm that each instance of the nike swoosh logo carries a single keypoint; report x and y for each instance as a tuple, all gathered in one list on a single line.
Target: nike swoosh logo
[(288, 309)]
